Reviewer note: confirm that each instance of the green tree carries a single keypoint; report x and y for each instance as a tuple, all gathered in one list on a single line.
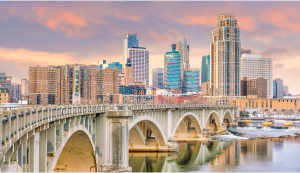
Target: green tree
[(254, 113)]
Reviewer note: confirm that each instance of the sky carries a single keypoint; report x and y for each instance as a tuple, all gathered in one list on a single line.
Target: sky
[(59, 33)]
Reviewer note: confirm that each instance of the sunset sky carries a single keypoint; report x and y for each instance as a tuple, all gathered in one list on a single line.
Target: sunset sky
[(58, 33)]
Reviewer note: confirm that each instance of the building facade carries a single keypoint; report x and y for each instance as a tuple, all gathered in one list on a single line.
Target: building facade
[(15, 93), (286, 90), (191, 80), (158, 78), (4, 95), (205, 69), (254, 66), (172, 66), (254, 87), (129, 41), (5, 81), (248, 51), (24, 88), (139, 58), (206, 89), (277, 88), (73, 84), (225, 56)]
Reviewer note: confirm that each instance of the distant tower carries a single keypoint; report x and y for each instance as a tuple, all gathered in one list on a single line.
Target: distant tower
[(129, 41), (172, 66), (225, 56)]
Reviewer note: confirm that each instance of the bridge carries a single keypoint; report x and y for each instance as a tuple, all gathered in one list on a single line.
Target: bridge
[(91, 138)]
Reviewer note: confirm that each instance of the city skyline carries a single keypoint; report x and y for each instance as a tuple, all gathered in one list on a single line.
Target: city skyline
[(80, 32)]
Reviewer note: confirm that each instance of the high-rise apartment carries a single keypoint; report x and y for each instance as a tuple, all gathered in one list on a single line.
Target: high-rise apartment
[(277, 88), (158, 78), (191, 80), (139, 58), (172, 66), (205, 69), (129, 41), (254, 66), (72, 84), (225, 56)]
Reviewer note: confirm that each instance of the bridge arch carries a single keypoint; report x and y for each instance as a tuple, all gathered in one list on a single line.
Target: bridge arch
[(180, 125), (139, 129), (228, 118), (78, 135), (213, 123)]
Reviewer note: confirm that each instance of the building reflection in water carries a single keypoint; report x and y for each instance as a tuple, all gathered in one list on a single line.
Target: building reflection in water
[(210, 156)]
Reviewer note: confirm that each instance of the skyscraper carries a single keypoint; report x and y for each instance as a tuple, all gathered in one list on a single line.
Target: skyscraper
[(158, 78), (129, 41), (205, 69), (286, 90), (254, 66), (172, 66), (277, 88), (191, 80), (225, 56), (139, 58), (15, 92)]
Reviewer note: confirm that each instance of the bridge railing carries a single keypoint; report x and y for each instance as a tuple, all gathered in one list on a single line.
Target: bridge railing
[(19, 121)]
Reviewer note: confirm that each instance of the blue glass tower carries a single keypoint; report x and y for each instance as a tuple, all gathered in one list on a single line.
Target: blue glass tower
[(172, 66), (129, 41), (191, 80), (205, 69)]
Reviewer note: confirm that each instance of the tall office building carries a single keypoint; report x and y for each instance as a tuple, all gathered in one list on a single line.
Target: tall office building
[(15, 93), (158, 78), (191, 80), (139, 58), (129, 41), (225, 56), (172, 66), (205, 69), (277, 88), (183, 48), (254, 66)]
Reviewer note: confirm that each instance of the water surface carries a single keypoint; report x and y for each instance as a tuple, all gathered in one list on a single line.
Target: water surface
[(243, 155)]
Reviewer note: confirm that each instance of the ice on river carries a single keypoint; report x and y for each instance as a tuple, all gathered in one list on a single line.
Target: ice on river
[(264, 131)]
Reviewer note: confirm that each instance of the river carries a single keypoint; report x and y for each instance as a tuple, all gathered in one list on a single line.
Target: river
[(238, 154)]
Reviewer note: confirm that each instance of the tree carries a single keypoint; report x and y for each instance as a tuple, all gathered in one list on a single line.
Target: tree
[(254, 113)]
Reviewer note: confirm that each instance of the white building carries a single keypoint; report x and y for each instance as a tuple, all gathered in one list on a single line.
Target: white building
[(139, 58), (286, 90), (254, 66)]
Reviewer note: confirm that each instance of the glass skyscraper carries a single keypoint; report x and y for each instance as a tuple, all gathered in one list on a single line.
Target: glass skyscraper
[(172, 66), (205, 69), (129, 41), (225, 56), (191, 80), (158, 78)]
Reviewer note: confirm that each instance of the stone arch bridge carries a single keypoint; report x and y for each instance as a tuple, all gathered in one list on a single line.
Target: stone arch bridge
[(94, 138)]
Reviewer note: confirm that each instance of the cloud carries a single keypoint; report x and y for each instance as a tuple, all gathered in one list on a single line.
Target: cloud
[(274, 51)]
